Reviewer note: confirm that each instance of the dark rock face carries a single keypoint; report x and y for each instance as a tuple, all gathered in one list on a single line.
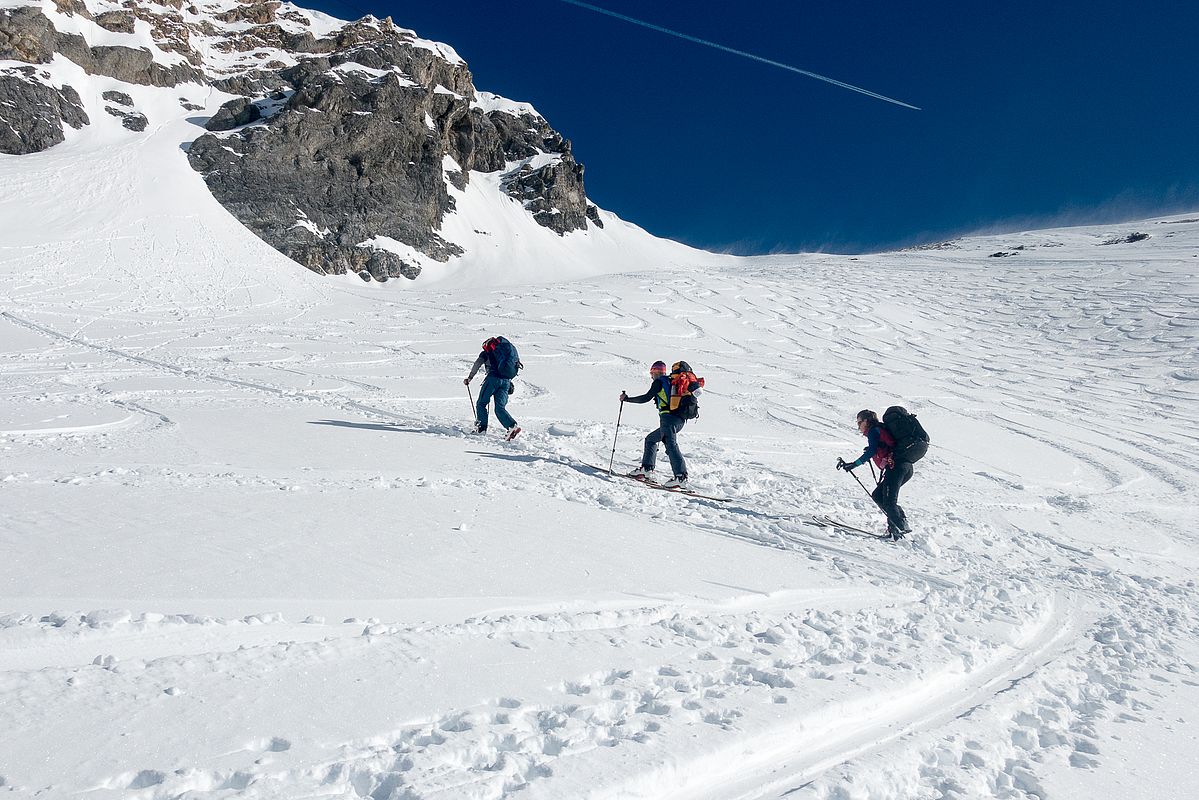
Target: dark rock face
[(255, 83), (28, 35), (34, 112), (257, 13), (377, 172), (130, 119), (135, 66), (135, 122), (116, 21), (73, 7), (234, 114), (553, 194), (120, 98), (358, 149)]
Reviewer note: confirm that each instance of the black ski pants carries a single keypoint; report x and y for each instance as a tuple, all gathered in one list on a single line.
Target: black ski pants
[(886, 494), (669, 426)]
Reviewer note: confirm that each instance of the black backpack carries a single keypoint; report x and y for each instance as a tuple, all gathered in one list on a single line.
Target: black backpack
[(911, 440), (688, 407)]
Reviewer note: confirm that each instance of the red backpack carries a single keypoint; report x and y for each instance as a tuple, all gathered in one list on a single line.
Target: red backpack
[(683, 402)]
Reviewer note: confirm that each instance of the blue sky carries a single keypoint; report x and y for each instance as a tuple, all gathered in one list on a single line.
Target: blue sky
[(1032, 113)]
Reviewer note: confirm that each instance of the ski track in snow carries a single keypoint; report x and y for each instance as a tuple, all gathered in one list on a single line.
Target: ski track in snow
[(982, 649)]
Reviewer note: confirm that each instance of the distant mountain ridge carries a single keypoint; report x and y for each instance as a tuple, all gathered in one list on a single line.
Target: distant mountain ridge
[(345, 145)]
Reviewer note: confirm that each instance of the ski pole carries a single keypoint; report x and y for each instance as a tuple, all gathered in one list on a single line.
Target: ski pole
[(473, 409), (841, 462), (872, 475), (860, 483), (612, 460)]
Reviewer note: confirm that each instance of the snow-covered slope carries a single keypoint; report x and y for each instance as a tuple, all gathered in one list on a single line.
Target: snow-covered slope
[(250, 551), (347, 146)]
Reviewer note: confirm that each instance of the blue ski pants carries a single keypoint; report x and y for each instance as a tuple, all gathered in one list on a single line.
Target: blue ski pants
[(497, 388)]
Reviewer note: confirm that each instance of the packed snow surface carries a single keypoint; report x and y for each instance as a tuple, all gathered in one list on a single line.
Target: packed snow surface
[(250, 549)]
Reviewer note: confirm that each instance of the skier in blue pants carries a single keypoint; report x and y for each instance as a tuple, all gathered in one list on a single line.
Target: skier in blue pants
[(502, 362)]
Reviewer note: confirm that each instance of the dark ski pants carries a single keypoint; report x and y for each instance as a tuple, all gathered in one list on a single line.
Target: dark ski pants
[(668, 430), (497, 388), (886, 494)]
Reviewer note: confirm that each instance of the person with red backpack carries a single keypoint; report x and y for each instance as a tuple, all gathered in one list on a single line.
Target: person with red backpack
[(675, 396), (895, 466), (503, 363)]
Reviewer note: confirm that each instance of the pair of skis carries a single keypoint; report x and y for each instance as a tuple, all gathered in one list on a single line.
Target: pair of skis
[(654, 485), (823, 521), (820, 520)]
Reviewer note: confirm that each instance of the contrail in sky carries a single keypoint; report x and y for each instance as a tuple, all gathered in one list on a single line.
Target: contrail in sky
[(742, 53)]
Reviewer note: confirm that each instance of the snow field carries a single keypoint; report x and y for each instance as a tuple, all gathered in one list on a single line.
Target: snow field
[(251, 551), (521, 623)]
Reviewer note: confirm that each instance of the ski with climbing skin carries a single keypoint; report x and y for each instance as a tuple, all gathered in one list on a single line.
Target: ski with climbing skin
[(654, 485), (824, 521)]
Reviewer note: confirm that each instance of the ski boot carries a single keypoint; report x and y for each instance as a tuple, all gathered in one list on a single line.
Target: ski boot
[(678, 482)]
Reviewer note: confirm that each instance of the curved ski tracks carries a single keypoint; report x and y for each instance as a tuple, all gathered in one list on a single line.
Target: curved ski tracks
[(780, 763)]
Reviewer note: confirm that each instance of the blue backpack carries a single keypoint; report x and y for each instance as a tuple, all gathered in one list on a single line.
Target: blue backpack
[(505, 361)]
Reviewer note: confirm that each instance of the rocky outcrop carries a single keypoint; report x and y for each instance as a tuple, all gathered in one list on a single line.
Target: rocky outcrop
[(33, 112), (359, 149), (340, 149), (117, 21), (26, 34), (255, 83), (256, 13), (347, 154), (132, 120), (73, 7), (36, 111), (234, 114), (553, 194), (130, 65), (120, 98)]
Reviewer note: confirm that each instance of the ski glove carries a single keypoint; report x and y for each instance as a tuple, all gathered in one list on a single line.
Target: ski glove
[(623, 397)]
